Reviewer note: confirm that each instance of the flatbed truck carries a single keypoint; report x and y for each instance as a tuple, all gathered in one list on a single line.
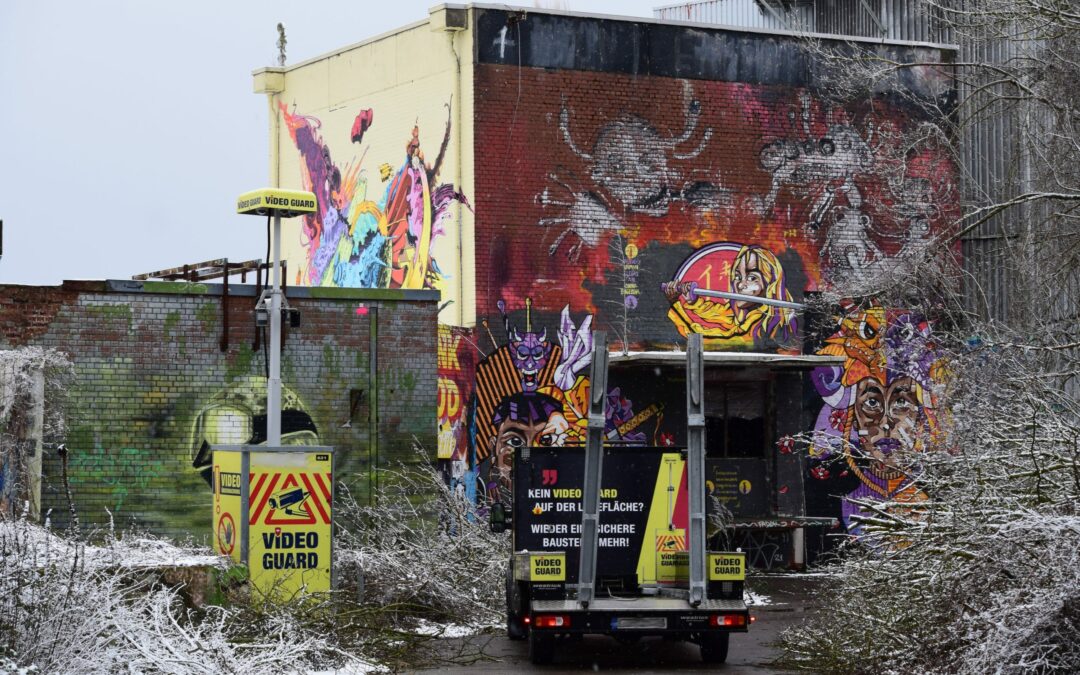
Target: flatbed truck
[(612, 539)]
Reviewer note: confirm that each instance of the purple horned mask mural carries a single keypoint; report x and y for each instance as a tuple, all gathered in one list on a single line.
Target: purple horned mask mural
[(529, 351)]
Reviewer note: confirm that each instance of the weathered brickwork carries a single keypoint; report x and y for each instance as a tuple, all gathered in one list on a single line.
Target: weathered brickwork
[(153, 384), (595, 189)]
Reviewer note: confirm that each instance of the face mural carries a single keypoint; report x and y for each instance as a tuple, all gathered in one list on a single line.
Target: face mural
[(530, 392), (748, 270), (880, 408), (361, 239)]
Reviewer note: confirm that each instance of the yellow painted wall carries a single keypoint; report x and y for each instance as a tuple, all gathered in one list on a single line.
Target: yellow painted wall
[(419, 76)]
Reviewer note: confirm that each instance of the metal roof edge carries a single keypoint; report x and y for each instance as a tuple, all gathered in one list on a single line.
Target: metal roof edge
[(713, 26), (248, 290)]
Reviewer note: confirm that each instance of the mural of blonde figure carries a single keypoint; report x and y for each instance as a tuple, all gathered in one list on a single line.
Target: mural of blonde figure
[(755, 271)]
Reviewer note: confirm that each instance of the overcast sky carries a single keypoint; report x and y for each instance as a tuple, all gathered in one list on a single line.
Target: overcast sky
[(129, 127)]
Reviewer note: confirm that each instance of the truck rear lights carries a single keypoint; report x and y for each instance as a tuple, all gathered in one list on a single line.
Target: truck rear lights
[(551, 621), (727, 620)]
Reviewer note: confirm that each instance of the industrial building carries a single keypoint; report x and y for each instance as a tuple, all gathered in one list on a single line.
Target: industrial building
[(553, 173)]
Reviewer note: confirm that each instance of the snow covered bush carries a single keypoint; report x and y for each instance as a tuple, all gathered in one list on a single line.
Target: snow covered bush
[(70, 607), (421, 547), (985, 575)]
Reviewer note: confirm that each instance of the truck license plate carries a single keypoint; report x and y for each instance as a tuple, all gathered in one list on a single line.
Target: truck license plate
[(641, 623)]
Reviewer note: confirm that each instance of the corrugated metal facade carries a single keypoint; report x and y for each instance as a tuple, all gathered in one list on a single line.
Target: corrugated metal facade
[(881, 19), (990, 158)]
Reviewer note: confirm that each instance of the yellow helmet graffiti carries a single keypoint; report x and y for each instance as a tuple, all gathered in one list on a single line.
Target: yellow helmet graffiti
[(236, 415)]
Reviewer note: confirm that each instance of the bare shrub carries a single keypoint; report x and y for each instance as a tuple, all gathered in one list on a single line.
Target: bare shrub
[(422, 548)]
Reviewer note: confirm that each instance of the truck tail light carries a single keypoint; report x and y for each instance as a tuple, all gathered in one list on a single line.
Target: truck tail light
[(551, 621), (727, 620)]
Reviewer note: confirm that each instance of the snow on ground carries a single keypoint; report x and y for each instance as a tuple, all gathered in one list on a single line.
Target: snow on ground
[(446, 630), (39, 547), (756, 599)]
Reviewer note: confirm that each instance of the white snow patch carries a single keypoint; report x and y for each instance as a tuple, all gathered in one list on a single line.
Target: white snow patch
[(756, 599), (445, 630), (43, 548)]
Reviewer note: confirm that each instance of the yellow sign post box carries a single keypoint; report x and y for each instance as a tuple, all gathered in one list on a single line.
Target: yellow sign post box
[(273, 512)]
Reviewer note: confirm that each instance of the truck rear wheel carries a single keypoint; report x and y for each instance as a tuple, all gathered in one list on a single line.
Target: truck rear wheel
[(714, 648), (541, 648), (515, 606)]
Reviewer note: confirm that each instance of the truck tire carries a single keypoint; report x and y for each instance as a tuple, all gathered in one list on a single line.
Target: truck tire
[(541, 648), (714, 647), (515, 606)]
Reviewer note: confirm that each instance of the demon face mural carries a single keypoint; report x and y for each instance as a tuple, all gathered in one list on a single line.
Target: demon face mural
[(880, 408), (361, 240), (531, 392)]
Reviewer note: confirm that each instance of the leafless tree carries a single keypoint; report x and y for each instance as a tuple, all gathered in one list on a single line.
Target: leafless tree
[(984, 575)]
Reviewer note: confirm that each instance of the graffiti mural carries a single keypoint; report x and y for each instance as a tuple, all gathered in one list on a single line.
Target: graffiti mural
[(828, 193), (362, 239), (748, 270), (632, 168), (880, 409), (829, 163), (531, 391), (236, 415)]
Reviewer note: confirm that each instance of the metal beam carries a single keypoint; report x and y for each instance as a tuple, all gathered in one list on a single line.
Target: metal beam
[(209, 269), (594, 463), (748, 298), (695, 463)]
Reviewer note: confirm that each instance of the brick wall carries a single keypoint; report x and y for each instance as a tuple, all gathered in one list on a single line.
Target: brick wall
[(152, 383), (579, 170)]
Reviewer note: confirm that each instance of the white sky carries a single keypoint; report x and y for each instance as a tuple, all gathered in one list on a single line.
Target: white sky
[(130, 127)]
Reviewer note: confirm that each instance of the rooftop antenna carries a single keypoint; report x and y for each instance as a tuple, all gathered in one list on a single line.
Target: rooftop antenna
[(281, 42)]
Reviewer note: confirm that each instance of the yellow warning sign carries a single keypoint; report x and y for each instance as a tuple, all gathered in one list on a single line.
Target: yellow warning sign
[(547, 567), (727, 566), (289, 517), (672, 560), (673, 541), (227, 517), (745, 487)]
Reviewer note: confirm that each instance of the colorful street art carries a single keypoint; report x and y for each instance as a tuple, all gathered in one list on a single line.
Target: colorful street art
[(532, 392), (880, 408), (744, 269), (828, 193), (359, 240), (632, 168)]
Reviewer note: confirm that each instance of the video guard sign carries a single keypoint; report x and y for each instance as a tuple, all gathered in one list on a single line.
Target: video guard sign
[(273, 512), (643, 510)]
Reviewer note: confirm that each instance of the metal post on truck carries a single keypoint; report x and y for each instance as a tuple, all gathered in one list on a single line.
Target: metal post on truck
[(594, 456), (695, 463)]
